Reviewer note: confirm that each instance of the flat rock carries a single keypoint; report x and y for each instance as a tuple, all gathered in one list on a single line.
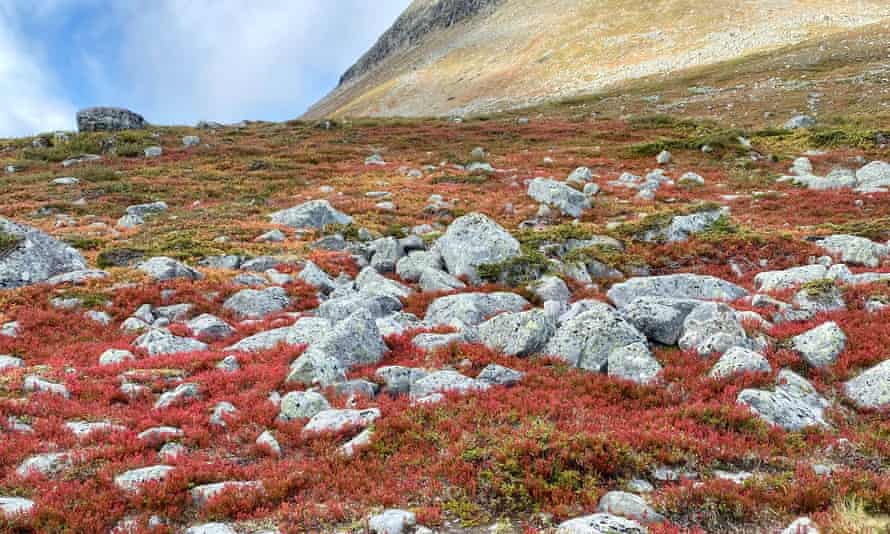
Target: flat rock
[(855, 250), (629, 506), (313, 214), (678, 286), (445, 381), (336, 420), (788, 278), (600, 524), (132, 480)]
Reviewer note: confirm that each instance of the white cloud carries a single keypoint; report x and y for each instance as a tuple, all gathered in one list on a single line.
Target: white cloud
[(228, 60), (31, 101)]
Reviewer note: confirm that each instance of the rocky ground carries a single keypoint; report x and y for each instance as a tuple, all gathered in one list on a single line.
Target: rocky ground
[(547, 323)]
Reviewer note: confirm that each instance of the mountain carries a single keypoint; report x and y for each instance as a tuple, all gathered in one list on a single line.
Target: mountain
[(462, 57)]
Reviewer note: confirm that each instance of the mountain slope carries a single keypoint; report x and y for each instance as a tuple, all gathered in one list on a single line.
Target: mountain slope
[(446, 57)]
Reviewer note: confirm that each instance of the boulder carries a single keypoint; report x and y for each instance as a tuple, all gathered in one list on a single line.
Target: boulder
[(108, 119), (412, 266), (13, 506), (518, 334), (180, 394), (132, 480), (313, 275), (871, 389), (445, 381), (162, 268), (822, 345), (301, 405), (160, 341), (435, 280), (29, 256), (211, 528), (586, 341), (10, 362), (474, 240), (875, 175), (36, 384), (680, 286), (628, 505), (371, 282), (788, 278), (313, 214), (793, 405), (398, 379), (47, 465), (206, 326), (115, 356), (338, 308), (600, 524), (470, 309), (682, 227), (201, 495), (855, 250), (258, 303), (336, 420), (499, 375), (739, 360), (712, 327), (565, 198), (633, 362), (392, 522), (800, 121), (659, 318)]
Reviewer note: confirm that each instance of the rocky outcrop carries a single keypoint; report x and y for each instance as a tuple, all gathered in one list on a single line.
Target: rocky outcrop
[(29, 256), (106, 119)]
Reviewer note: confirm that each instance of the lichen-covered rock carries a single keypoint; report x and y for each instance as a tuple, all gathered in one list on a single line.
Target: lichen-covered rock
[(793, 405), (208, 326), (875, 175), (788, 278), (47, 465), (162, 268), (301, 405), (180, 394), (871, 389), (822, 345), (370, 282), (587, 340), (398, 379), (445, 381), (712, 327), (680, 286), (565, 198), (499, 375), (600, 524), (682, 227), (739, 360), (470, 309), (160, 341), (633, 362), (392, 522), (134, 479), (474, 240), (29, 256), (336, 420), (435, 280), (412, 266), (313, 214), (314, 276), (338, 308), (258, 303), (856, 250), (628, 505), (517, 334)]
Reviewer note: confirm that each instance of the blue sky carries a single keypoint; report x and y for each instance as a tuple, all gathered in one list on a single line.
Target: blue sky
[(177, 61)]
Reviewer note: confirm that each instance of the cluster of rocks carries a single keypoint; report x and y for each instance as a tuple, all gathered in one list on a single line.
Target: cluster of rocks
[(871, 178)]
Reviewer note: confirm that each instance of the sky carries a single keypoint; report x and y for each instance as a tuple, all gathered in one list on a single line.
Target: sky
[(177, 61)]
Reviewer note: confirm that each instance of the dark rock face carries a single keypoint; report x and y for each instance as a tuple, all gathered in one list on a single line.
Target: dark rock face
[(423, 17), (108, 120)]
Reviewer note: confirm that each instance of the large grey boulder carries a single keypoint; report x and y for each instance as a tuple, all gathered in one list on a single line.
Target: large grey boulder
[(856, 250), (338, 308), (871, 389), (10, 362), (799, 121), (313, 214), (258, 303), (739, 360), (587, 340), (680, 286), (207, 326), (822, 345), (629, 506), (385, 253), (563, 197), (875, 175), (47, 464), (499, 375), (108, 119), (180, 394), (132, 480), (600, 524), (371, 282), (354, 341), (160, 341), (518, 334), (29, 256), (398, 379), (470, 309), (315, 367), (336, 420), (313, 275), (262, 340), (633, 362), (474, 240), (712, 327), (659, 318), (308, 330), (162, 268), (788, 278), (412, 266), (793, 405), (435, 280)]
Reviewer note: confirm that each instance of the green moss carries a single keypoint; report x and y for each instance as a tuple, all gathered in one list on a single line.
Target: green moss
[(83, 243), (96, 174), (817, 288), (532, 240), (348, 231), (874, 229), (516, 271), (454, 179), (8, 241), (719, 140)]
